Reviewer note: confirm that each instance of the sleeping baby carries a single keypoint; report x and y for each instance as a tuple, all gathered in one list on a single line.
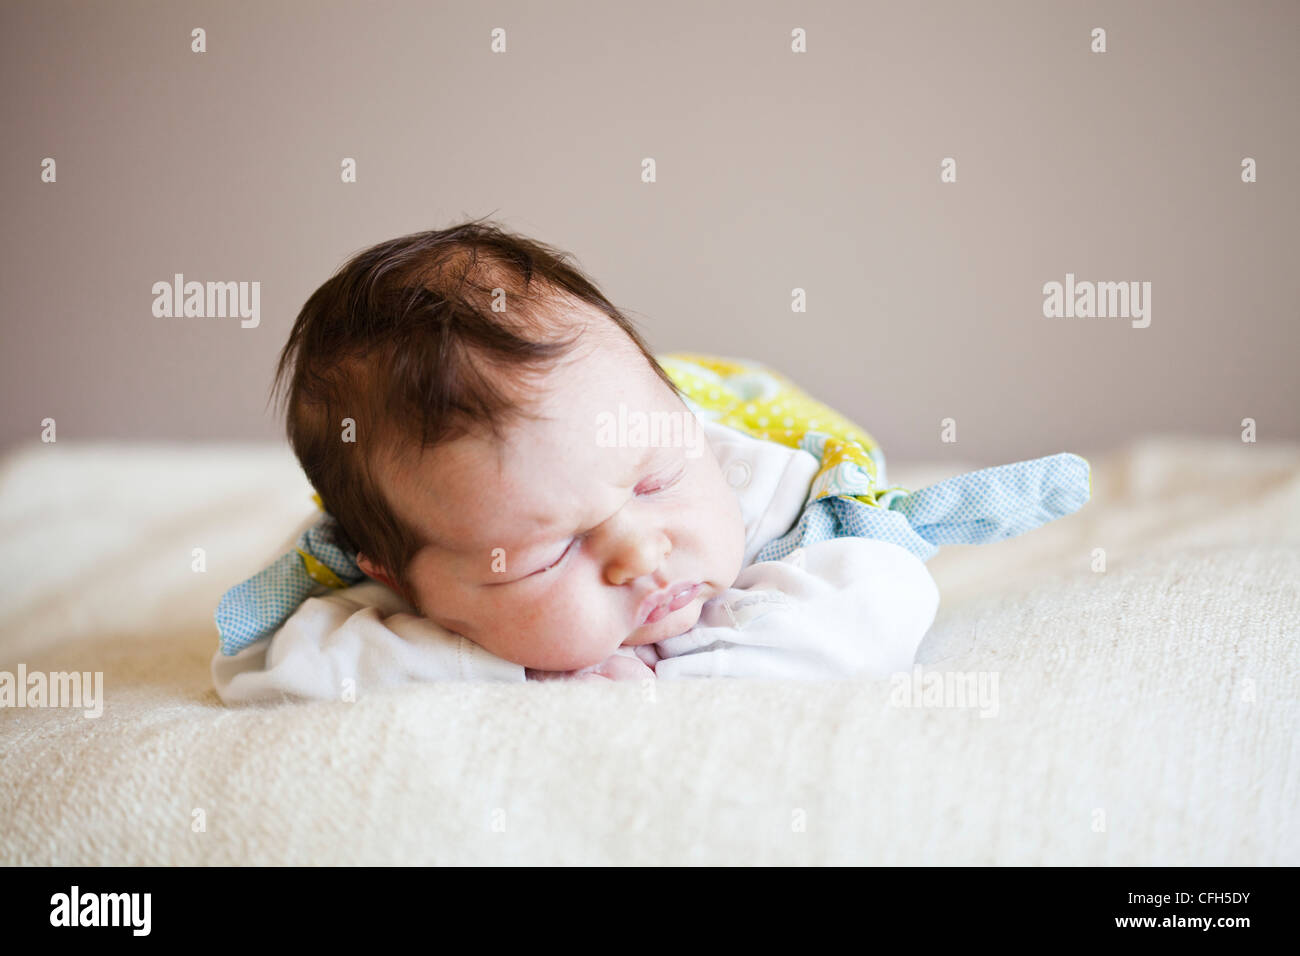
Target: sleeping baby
[(515, 488)]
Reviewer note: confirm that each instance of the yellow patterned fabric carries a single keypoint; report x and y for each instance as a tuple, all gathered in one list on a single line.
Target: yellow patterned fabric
[(762, 403)]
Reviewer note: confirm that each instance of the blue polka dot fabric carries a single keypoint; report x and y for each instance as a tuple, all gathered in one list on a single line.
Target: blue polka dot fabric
[(975, 508), (258, 607)]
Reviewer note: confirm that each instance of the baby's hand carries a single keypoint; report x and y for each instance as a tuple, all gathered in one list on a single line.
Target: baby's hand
[(614, 667)]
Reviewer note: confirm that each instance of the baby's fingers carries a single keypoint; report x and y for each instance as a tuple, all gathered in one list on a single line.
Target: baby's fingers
[(624, 667), (533, 674)]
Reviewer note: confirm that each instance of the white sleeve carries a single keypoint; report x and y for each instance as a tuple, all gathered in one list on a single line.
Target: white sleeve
[(365, 634), (840, 608)]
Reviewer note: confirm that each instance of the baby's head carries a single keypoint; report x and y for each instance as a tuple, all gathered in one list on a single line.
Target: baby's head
[(449, 402)]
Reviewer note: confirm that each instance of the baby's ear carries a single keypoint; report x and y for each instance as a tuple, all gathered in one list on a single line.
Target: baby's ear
[(372, 570)]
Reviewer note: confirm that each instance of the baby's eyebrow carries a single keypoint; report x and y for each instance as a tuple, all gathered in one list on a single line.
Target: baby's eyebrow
[(514, 541), (643, 464), (518, 544)]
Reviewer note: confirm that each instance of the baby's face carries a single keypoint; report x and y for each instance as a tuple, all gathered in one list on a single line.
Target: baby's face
[(555, 549)]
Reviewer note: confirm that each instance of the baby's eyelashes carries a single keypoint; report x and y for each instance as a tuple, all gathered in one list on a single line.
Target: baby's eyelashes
[(556, 563), (650, 485)]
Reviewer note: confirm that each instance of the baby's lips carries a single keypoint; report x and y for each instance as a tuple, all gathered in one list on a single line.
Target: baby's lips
[(656, 606)]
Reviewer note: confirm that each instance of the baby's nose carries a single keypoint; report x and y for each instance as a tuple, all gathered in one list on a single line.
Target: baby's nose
[(636, 557)]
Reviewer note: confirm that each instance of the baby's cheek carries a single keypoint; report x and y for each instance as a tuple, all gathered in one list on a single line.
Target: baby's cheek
[(560, 629), (721, 528), (525, 621)]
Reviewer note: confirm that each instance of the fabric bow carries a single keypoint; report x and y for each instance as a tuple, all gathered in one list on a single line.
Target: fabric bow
[(850, 495), (978, 507), (258, 607)]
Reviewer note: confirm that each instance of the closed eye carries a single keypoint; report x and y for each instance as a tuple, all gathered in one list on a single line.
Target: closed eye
[(648, 487), (654, 485), (558, 561)]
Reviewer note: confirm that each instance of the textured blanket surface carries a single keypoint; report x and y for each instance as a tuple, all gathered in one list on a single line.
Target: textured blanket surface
[(1138, 661)]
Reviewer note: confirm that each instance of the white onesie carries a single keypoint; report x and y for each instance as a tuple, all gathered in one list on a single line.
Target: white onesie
[(840, 608)]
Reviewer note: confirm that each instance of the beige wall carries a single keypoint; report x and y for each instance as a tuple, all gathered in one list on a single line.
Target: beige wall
[(775, 170)]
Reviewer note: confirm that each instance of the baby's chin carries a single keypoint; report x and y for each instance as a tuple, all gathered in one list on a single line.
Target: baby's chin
[(678, 622)]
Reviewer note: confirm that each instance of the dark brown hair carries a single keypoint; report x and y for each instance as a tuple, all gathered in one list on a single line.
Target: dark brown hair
[(419, 340)]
